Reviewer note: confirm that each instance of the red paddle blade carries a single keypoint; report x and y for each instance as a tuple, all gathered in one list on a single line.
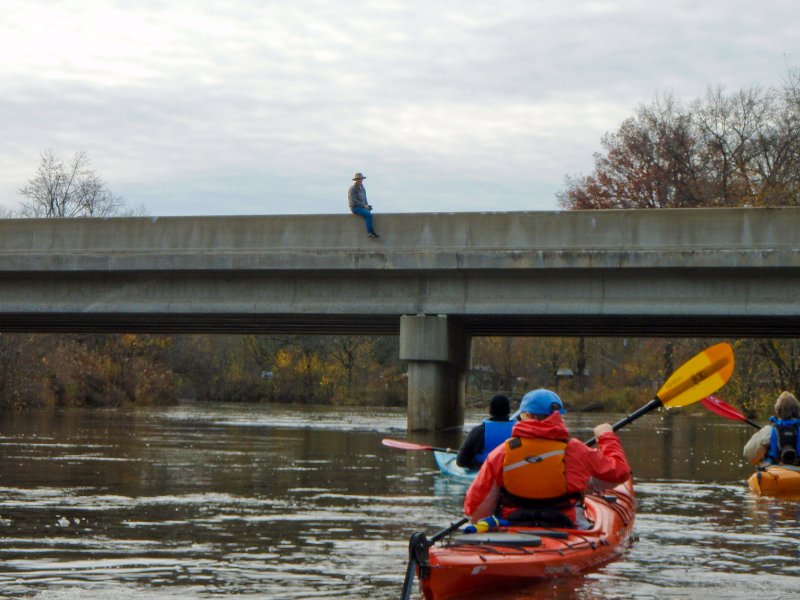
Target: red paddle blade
[(404, 445), (723, 409)]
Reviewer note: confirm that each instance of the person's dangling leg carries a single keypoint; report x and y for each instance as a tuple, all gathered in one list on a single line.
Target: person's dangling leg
[(367, 216), (368, 222)]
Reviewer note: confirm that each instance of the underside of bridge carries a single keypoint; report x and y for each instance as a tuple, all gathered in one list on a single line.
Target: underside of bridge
[(711, 326)]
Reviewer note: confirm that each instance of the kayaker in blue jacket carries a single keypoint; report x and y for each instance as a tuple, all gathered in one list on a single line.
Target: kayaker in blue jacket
[(778, 442), (488, 435)]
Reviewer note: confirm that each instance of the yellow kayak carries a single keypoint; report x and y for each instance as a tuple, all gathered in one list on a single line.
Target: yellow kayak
[(776, 480)]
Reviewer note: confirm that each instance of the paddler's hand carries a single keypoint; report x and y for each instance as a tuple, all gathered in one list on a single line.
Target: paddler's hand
[(601, 429)]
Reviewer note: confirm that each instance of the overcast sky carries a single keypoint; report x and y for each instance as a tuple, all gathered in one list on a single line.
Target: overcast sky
[(267, 107)]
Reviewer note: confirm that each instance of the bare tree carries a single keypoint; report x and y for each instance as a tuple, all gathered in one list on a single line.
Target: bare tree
[(72, 190)]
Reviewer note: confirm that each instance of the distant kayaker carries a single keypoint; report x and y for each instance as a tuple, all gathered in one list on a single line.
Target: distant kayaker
[(539, 476), (778, 442), (488, 435)]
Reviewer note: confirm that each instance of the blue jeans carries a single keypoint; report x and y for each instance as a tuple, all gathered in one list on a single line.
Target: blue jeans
[(367, 216)]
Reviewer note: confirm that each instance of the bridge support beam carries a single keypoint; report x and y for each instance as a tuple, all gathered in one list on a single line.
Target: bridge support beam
[(437, 351)]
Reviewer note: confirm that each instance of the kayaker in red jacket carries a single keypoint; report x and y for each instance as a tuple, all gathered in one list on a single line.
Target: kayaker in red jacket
[(544, 469)]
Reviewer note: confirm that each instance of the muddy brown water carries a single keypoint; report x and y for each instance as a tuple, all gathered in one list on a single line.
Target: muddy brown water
[(252, 502)]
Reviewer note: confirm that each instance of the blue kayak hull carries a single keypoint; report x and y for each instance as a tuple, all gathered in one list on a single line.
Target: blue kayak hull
[(446, 461)]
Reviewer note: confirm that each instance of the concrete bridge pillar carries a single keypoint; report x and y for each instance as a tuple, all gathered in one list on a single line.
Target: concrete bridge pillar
[(437, 351)]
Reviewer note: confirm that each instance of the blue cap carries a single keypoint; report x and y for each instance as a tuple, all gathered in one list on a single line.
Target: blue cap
[(539, 402)]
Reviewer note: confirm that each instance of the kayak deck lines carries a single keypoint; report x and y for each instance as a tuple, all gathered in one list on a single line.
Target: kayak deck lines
[(493, 546)]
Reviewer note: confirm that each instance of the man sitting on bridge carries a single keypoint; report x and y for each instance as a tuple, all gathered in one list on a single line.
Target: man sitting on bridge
[(357, 198)]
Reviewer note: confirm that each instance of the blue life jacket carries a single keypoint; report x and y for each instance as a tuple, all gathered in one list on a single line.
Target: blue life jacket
[(784, 441), (494, 434)]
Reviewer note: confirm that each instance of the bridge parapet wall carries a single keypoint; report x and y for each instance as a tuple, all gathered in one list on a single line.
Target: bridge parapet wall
[(697, 238)]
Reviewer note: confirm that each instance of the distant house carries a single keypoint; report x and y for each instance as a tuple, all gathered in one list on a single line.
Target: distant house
[(565, 373)]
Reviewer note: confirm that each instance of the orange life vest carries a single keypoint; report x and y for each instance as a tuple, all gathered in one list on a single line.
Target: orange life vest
[(534, 469)]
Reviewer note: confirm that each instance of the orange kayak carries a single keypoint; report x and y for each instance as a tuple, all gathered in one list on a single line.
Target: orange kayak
[(470, 565), (776, 480)]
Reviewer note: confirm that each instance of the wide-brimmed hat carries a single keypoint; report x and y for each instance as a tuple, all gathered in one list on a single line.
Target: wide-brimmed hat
[(358, 176), (539, 402)]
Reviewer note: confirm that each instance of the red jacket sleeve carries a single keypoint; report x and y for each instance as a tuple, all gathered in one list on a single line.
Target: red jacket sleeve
[(482, 495), (607, 463)]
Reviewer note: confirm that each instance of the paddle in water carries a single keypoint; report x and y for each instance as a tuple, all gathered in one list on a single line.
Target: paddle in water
[(725, 410)]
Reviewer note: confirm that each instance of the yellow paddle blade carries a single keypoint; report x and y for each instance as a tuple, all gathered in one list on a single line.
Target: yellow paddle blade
[(702, 375)]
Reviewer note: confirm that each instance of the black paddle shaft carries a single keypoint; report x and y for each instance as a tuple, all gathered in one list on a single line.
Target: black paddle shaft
[(653, 404), (408, 582), (753, 423), (446, 531)]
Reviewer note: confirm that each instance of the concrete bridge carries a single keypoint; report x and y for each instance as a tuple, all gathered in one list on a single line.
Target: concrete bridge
[(436, 279)]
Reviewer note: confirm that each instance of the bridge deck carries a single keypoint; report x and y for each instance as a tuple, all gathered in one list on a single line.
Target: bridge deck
[(705, 272)]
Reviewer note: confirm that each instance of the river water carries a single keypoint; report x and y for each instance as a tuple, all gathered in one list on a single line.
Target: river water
[(253, 502)]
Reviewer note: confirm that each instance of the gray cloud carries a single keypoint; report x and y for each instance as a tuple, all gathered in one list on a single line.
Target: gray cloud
[(201, 108)]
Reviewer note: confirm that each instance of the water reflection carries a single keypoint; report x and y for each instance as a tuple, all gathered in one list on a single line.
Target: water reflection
[(266, 502)]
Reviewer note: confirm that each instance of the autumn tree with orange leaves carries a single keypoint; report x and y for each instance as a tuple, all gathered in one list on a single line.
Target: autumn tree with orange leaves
[(738, 149)]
